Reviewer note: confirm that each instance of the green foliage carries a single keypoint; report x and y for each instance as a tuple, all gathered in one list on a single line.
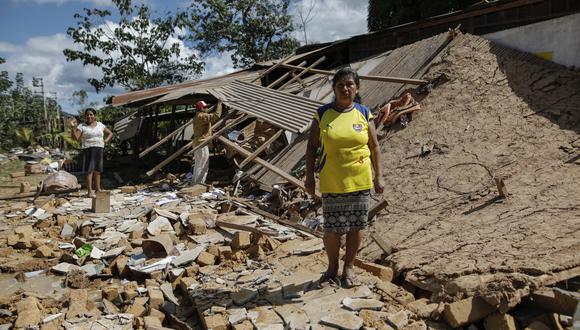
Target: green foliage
[(24, 136), (386, 13), (137, 52), (252, 30)]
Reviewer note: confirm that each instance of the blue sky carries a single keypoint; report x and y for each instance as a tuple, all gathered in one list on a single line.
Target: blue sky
[(33, 35)]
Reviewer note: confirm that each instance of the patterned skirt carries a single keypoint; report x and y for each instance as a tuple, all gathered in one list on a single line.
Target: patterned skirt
[(345, 212)]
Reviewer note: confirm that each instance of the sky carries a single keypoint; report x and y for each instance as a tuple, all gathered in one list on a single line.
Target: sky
[(33, 36)]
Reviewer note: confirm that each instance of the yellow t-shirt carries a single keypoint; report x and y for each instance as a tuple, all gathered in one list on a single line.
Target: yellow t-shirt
[(345, 165)]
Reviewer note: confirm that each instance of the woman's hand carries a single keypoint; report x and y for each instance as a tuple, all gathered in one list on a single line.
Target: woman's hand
[(310, 185), (379, 184), (73, 123)]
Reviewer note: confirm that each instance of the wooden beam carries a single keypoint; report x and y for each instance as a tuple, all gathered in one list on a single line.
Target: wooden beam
[(264, 163), (374, 78), (387, 248), (377, 208), (169, 136), (261, 148), (224, 224), (219, 132), (189, 145), (272, 68), (303, 72), (284, 76)]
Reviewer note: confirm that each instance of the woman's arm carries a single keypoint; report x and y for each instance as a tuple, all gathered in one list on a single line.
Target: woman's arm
[(74, 131), (108, 135), (376, 158), (313, 143)]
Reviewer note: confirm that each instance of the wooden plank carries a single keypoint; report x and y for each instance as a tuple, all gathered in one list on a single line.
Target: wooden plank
[(220, 131), (284, 76), (364, 77), (386, 247), (169, 136), (264, 163), (303, 72), (287, 160), (501, 189), (261, 148), (377, 208), (272, 68), (189, 145), (225, 224)]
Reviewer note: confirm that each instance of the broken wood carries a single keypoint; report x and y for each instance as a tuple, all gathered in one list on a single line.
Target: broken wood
[(261, 148), (254, 230), (501, 189), (303, 72), (169, 136), (387, 248), (265, 164), (284, 76), (377, 208), (189, 145), (272, 68), (374, 78)]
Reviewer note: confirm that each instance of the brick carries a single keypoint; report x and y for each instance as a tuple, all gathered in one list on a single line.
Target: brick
[(246, 325), (213, 249), (130, 290), (205, 259), (102, 202), (225, 252), (155, 298), (196, 224), (384, 273), (466, 311), (136, 309), (128, 189), (151, 321), (256, 251), (498, 321), (215, 322), (43, 252), (17, 174), (185, 283), (241, 240), (192, 270), (157, 313)]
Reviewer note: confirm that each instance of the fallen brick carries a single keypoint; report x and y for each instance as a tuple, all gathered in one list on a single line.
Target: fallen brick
[(246, 325), (225, 252), (241, 240), (29, 313), (467, 311), (215, 322), (196, 224), (130, 290), (155, 298), (185, 283), (384, 273), (151, 321), (498, 321), (43, 252), (205, 259), (128, 189)]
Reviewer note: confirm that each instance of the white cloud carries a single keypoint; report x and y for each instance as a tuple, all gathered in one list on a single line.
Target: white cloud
[(6, 47), (218, 65), (332, 19)]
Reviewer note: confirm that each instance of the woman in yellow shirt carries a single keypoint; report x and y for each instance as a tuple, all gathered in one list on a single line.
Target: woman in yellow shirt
[(349, 168)]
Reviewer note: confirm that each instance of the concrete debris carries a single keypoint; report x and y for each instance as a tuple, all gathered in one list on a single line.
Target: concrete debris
[(345, 321), (358, 304)]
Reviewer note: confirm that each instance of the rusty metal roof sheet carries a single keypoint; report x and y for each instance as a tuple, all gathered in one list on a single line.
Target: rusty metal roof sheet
[(149, 96), (288, 111)]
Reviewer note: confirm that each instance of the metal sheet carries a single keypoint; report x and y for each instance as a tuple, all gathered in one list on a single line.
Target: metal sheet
[(290, 112)]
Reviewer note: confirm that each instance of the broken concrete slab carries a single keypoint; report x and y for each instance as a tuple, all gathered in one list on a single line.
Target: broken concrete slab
[(29, 312), (467, 311), (237, 315), (243, 296), (167, 290), (159, 225), (399, 320), (294, 317), (357, 304), (188, 256), (395, 292), (343, 320), (499, 321)]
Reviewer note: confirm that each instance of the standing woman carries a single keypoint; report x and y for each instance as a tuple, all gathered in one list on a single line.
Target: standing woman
[(349, 168), (91, 136)]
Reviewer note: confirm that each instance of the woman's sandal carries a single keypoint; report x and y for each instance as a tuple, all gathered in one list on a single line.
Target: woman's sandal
[(326, 278), (350, 281)]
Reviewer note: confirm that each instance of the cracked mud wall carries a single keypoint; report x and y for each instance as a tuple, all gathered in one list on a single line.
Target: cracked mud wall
[(501, 113)]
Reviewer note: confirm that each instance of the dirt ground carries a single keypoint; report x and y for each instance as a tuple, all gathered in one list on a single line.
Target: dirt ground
[(495, 113)]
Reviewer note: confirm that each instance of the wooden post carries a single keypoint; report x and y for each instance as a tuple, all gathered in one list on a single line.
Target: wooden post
[(284, 76), (264, 163), (303, 72), (501, 189), (375, 78), (261, 148)]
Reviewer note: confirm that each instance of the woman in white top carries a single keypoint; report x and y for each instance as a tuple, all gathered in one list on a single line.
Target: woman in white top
[(92, 142)]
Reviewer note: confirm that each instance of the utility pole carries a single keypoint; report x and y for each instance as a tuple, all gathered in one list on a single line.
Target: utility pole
[(38, 82)]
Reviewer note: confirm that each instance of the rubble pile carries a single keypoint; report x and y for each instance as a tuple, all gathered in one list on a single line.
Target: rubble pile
[(187, 259)]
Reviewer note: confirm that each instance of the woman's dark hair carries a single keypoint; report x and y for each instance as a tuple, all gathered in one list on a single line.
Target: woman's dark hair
[(87, 110), (347, 71)]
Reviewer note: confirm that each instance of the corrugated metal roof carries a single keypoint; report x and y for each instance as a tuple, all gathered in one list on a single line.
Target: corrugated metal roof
[(288, 111), (176, 91)]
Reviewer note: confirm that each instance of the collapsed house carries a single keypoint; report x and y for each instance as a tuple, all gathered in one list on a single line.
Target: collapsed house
[(478, 226)]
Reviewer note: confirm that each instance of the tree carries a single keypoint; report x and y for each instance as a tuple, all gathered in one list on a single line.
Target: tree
[(386, 13), (305, 12), (252, 30), (137, 52)]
